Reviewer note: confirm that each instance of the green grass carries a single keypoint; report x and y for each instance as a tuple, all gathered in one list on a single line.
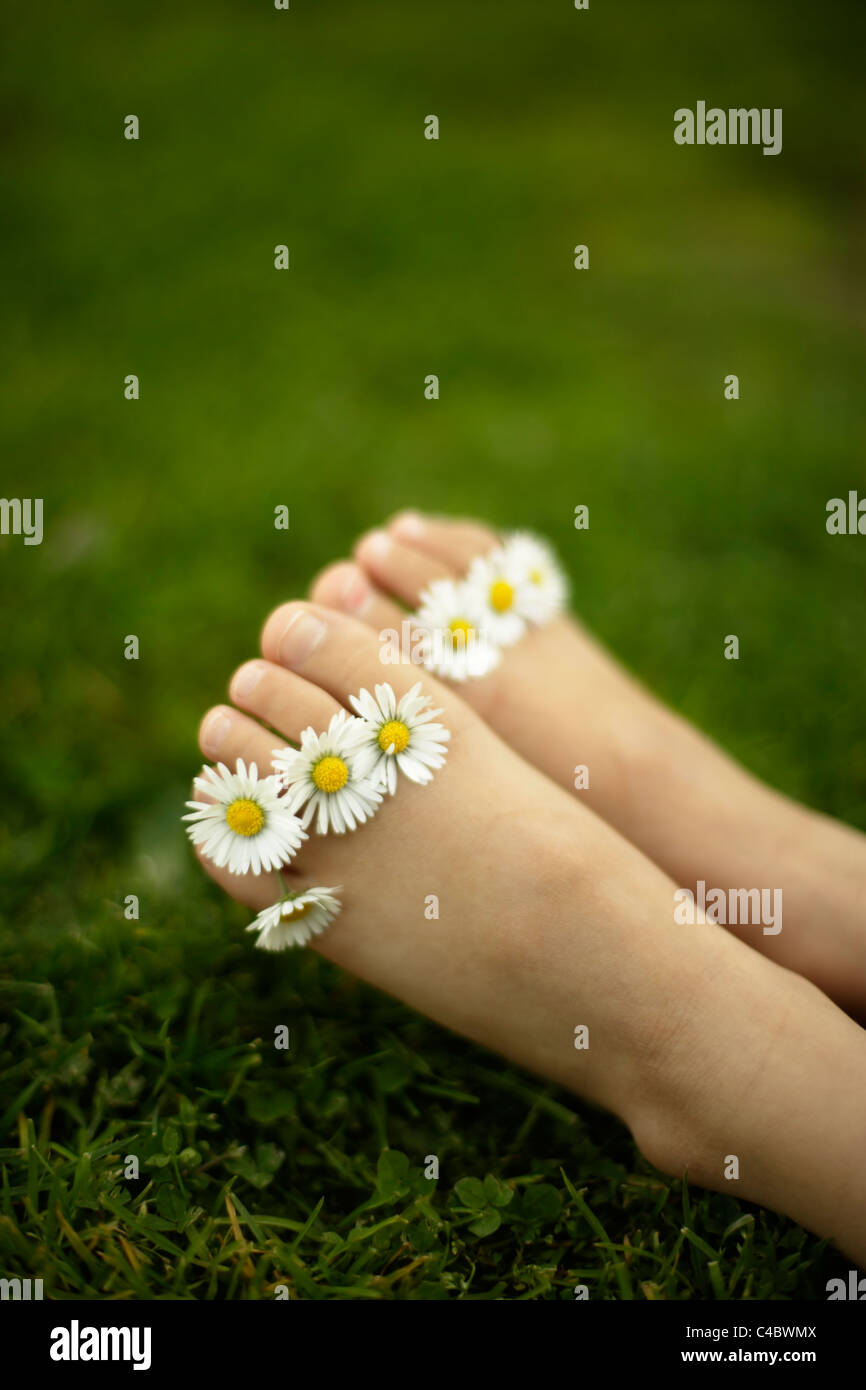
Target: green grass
[(707, 517), (260, 1167)]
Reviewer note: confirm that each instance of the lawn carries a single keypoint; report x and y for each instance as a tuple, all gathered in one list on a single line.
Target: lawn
[(305, 388)]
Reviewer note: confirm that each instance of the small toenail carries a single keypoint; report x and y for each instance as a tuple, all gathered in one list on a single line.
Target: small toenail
[(357, 594), (409, 525), (303, 634), (245, 680), (214, 732), (377, 544)]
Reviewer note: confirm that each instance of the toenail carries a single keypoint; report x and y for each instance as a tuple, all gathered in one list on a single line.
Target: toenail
[(302, 635), (356, 594), (245, 680), (377, 544), (409, 525), (214, 732)]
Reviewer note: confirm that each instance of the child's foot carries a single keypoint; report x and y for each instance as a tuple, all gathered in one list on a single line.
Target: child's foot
[(563, 702), (547, 923)]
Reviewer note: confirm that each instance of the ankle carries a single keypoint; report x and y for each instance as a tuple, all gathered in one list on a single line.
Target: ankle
[(724, 1041), (748, 1100)]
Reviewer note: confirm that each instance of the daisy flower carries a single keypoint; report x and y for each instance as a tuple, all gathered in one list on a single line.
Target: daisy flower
[(324, 776), (296, 919), (456, 644), (543, 589), (399, 734), (497, 582), (247, 827)]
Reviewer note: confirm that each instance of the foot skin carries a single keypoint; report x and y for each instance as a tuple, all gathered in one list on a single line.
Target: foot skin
[(549, 921), (561, 701)]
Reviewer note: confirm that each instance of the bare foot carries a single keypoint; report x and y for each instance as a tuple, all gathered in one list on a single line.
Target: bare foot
[(561, 701), (550, 923)]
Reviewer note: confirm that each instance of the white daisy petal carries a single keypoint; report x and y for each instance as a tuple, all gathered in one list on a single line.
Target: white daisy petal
[(496, 583), (327, 775), (295, 920), (397, 735), (457, 642), (542, 589), (246, 825)]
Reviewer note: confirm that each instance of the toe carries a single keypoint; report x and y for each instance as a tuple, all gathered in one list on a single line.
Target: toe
[(281, 699), (342, 655), (346, 587), (398, 568), (343, 585), (226, 735), (453, 543)]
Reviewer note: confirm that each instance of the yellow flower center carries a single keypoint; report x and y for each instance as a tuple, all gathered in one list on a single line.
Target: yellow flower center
[(501, 596), (461, 628), (245, 817), (297, 910), (330, 774), (536, 577), (395, 732)]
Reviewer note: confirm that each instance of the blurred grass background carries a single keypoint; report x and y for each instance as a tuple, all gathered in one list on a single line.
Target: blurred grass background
[(305, 388)]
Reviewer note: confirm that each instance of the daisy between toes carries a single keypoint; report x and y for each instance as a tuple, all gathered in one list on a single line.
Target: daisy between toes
[(252, 824), (244, 826), (466, 624), (399, 735)]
